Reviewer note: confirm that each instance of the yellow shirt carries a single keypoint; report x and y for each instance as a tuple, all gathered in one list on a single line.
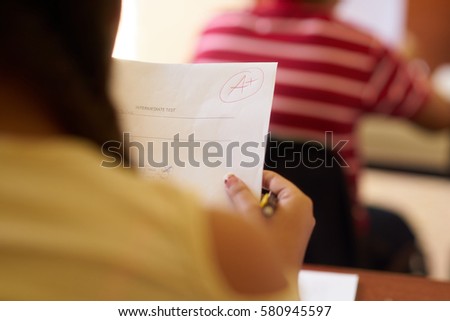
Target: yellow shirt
[(72, 230)]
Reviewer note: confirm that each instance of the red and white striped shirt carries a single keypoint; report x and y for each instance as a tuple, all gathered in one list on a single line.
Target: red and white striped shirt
[(329, 73)]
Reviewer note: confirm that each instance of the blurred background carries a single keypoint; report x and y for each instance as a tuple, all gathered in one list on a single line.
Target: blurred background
[(408, 169)]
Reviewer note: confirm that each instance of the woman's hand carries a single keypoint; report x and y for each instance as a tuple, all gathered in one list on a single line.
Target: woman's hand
[(290, 227)]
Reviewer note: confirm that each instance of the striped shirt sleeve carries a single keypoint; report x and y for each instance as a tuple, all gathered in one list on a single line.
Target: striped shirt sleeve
[(396, 87)]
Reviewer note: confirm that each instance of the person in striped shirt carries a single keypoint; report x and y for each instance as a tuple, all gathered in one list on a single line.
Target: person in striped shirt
[(330, 74)]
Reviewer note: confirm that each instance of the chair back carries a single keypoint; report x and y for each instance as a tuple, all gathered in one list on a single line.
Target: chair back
[(308, 166)]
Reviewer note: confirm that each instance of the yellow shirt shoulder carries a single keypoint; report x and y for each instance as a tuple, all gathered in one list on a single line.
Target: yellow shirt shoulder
[(73, 230)]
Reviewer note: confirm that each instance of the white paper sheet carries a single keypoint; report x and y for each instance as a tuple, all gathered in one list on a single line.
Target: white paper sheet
[(327, 286), (208, 119)]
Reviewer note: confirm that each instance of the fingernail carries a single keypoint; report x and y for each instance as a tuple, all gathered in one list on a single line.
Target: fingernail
[(230, 179)]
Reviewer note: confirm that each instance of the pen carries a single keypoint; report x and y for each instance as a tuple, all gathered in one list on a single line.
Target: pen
[(268, 204)]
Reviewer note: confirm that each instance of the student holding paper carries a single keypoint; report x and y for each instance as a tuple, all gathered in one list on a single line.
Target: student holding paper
[(72, 230)]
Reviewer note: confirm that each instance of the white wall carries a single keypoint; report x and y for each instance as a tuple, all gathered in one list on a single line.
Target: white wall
[(386, 18), (165, 30)]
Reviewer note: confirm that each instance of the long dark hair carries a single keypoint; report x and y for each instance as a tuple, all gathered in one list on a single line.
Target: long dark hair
[(62, 48)]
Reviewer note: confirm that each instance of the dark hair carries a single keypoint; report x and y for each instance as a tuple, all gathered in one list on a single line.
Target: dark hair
[(62, 48)]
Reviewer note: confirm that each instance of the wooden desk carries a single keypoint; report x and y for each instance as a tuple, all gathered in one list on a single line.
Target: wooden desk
[(381, 286)]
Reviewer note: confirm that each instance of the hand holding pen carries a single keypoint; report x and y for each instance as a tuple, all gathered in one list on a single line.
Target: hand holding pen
[(291, 221)]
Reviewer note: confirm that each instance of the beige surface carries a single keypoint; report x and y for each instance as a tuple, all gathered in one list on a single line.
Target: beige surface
[(398, 143)]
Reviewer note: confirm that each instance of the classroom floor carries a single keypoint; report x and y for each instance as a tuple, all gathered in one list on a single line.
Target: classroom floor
[(424, 202)]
